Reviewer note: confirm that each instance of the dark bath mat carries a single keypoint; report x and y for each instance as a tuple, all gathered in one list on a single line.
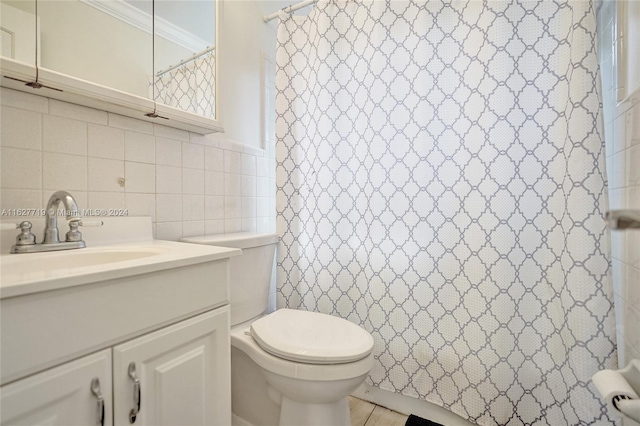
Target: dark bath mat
[(419, 421)]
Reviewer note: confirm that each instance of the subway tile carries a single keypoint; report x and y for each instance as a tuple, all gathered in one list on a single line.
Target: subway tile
[(104, 174), (632, 169), (608, 138), (140, 204), (232, 184), (192, 228), (213, 159), (168, 180), (192, 155), (192, 181), (64, 172), (619, 138), (262, 187), (21, 199), (139, 147), (248, 207), (213, 183), (618, 244), (232, 162), (632, 321), (263, 225), (228, 145), (633, 126), (21, 129), (632, 199), (168, 207), (77, 112), (262, 167), (169, 231), (249, 224), (168, 152), (105, 200), (22, 100), (232, 207), (207, 140), (232, 225), (256, 152), (262, 207), (21, 169), (64, 136), (213, 207), (248, 186), (128, 123), (248, 164), (212, 227), (193, 207), (632, 244), (618, 171), (140, 177), (170, 132), (632, 290), (106, 142)]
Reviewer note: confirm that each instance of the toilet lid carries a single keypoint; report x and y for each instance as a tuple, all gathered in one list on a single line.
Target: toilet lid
[(311, 337)]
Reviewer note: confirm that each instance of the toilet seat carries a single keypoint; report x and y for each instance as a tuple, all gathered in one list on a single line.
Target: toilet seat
[(311, 337)]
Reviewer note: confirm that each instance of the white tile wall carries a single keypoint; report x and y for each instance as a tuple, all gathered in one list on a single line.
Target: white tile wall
[(189, 184), (622, 137)]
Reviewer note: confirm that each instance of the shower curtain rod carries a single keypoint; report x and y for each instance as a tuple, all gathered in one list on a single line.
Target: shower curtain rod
[(289, 9), (184, 61)]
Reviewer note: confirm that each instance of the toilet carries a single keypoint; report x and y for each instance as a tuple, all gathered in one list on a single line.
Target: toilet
[(289, 367)]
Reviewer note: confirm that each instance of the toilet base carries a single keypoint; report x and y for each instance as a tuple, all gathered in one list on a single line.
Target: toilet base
[(294, 413)]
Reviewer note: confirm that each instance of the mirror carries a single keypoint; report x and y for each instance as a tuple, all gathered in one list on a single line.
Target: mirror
[(18, 33), (185, 55), (131, 53), (104, 42)]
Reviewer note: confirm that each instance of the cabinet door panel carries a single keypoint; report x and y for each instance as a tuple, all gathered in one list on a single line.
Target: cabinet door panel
[(60, 396), (184, 373)]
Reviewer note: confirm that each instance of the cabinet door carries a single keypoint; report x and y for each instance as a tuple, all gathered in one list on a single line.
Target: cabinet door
[(60, 396), (184, 374)]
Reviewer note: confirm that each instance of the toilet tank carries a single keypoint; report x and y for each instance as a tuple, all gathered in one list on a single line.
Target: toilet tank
[(249, 273)]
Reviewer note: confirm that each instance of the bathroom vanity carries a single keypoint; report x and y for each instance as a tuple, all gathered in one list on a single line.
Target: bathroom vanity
[(127, 331)]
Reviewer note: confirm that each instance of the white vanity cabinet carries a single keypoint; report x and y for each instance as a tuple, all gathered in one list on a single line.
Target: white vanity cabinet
[(183, 372), (61, 396), (154, 330)]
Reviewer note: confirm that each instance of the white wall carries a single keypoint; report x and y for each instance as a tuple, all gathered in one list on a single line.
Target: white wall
[(622, 138), (245, 38)]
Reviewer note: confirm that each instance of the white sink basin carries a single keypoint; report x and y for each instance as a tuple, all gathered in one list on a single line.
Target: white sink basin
[(33, 272), (14, 265)]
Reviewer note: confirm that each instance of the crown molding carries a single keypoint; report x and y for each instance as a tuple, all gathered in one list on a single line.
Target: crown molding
[(139, 19)]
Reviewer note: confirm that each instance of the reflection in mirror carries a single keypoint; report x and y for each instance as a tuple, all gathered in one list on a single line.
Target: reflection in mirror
[(104, 42), (18, 30), (185, 55)]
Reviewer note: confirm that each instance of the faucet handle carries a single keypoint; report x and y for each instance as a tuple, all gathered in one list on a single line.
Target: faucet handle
[(25, 237), (74, 234), (89, 223)]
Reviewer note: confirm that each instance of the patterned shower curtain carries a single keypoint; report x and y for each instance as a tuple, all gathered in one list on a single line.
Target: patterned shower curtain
[(441, 182), (190, 87)]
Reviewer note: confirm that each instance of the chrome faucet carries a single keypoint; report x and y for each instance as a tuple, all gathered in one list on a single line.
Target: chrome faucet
[(26, 241), (51, 215)]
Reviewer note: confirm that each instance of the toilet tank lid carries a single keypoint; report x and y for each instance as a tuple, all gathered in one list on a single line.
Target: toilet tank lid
[(241, 240)]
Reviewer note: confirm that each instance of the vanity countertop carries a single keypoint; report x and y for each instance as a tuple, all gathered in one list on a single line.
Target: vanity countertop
[(23, 274), (122, 247)]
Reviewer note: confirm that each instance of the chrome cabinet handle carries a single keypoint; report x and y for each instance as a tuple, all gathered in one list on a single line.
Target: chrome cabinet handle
[(133, 375), (95, 390)]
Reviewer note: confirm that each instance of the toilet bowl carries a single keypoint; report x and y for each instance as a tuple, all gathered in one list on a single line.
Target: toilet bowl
[(288, 367)]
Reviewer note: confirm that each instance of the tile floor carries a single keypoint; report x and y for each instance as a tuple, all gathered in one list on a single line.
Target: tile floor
[(364, 413)]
